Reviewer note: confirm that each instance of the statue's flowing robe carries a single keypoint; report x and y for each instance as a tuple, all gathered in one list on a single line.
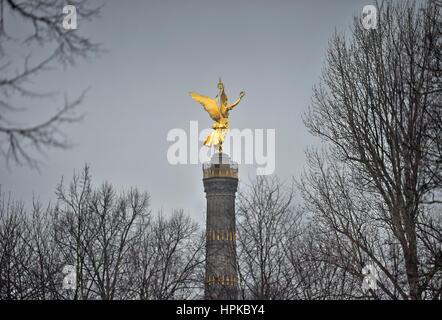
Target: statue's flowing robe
[(215, 137)]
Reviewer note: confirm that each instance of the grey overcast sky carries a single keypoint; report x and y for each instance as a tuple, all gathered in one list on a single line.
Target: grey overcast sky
[(158, 51)]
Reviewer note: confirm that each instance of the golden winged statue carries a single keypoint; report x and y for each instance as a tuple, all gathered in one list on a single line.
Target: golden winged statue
[(219, 114)]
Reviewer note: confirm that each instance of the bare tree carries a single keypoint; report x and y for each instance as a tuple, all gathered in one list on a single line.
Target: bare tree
[(14, 283), (45, 262), (346, 233), (71, 230), (95, 231), (169, 260), (316, 267), (378, 107), (42, 22), (267, 226), (116, 249), (29, 261)]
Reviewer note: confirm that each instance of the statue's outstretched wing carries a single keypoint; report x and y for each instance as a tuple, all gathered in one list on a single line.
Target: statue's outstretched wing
[(209, 104)]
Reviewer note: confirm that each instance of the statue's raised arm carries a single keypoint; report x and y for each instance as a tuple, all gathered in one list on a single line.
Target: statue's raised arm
[(241, 95)]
